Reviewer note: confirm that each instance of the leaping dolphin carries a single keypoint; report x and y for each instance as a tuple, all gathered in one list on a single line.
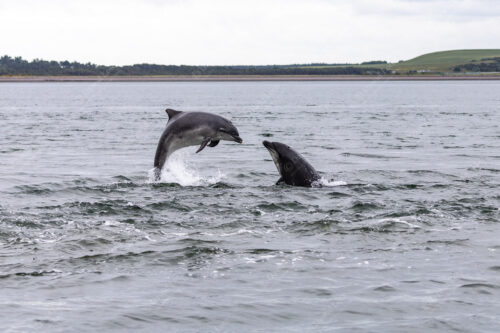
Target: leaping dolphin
[(191, 129), (293, 168)]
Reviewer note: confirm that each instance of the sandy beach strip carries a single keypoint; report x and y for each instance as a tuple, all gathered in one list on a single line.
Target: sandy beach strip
[(194, 78)]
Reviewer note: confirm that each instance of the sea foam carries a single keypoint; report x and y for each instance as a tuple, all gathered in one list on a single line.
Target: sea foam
[(177, 169)]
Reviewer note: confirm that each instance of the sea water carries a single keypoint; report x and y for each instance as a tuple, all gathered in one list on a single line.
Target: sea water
[(404, 236)]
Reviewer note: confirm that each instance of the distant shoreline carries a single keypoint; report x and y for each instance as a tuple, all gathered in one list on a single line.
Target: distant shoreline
[(223, 78)]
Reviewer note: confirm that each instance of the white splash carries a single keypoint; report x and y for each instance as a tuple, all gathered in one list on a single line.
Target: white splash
[(331, 183), (400, 221), (178, 170)]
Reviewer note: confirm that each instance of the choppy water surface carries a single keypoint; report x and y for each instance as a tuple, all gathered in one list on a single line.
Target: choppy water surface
[(405, 238)]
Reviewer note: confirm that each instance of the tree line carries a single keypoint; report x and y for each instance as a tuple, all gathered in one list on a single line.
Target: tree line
[(492, 65), (20, 66)]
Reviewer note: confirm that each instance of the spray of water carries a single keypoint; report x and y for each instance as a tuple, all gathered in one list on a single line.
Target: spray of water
[(178, 170), (331, 183)]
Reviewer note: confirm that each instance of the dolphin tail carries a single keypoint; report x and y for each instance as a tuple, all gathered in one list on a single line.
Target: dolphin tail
[(156, 174), (160, 158)]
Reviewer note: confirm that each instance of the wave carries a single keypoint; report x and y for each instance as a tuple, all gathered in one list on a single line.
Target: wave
[(331, 182)]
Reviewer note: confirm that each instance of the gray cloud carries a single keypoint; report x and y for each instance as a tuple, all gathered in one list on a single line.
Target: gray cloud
[(244, 32), (442, 9)]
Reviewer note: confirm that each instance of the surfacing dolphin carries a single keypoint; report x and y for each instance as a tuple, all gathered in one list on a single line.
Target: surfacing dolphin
[(191, 129), (293, 168)]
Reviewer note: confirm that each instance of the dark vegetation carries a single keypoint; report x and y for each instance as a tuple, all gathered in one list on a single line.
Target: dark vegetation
[(485, 65), (374, 62), (436, 63), (19, 66)]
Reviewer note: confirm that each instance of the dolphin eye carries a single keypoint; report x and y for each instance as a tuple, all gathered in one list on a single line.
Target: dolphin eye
[(288, 166)]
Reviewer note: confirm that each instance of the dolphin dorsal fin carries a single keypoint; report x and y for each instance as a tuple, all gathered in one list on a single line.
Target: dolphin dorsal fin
[(172, 113)]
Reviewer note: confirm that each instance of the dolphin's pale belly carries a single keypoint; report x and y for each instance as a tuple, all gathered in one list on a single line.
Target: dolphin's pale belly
[(184, 140)]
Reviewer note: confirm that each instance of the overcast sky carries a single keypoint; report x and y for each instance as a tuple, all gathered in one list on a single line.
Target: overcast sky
[(219, 32)]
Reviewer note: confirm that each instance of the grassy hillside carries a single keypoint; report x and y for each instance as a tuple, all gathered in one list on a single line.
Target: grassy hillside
[(441, 62), (445, 61)]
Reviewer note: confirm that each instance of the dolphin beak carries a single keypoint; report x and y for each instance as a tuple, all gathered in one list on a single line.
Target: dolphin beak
[(274, 154), (237, 139)]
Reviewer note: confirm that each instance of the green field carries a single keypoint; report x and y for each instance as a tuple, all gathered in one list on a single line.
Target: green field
[(437, 62), (444, 61)]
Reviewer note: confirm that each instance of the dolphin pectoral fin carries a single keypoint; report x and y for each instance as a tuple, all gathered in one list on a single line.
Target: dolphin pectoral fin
[(213, 143), (203, 144), (280, 181)]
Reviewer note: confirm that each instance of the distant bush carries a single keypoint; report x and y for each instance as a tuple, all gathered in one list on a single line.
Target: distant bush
[(497, 59), (374, 62), (493, 66)]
